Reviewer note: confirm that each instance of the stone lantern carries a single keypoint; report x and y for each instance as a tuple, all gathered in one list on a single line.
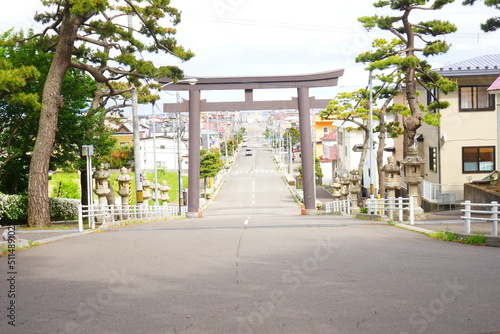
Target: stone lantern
[(413, 177), (164, 188), (146, 186), (124, 186), (354, 189), (336, 189), (391, 181), (344, 190), (102, 187)]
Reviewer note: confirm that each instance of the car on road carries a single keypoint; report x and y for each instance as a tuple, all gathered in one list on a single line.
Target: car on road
[(248, 152)]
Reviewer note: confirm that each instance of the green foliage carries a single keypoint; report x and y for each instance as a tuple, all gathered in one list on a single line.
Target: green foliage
[(13, 209), (120, 156), (294, 135), (65, 185), (493, 23), (210, 163), (477, 239), (76, 125), (63, 209), (398, 58)]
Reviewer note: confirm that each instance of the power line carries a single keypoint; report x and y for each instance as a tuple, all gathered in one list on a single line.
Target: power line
[(344, 30)]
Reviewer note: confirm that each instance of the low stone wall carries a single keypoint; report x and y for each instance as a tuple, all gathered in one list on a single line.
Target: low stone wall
[(479, 194)]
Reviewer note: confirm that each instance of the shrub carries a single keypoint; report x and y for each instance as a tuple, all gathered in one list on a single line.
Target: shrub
[(63, 209), (13, 209)]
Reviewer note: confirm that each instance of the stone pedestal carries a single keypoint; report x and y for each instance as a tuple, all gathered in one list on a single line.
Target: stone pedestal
[(344, 190), (164, 188), (146, 187), (391, 182), (124, 189), (354, 189), (413, 178), (336, 189), (102, 189)]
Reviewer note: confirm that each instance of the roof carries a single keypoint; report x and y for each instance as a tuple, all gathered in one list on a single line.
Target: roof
[(482, 65), (495, 86), (330, 136)]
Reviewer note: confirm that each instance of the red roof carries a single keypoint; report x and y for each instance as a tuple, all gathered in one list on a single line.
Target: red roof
[(330, 136), (495, 85)]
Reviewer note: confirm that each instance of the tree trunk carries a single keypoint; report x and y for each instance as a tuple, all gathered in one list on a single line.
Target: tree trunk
[(38, 195), (414, 121)]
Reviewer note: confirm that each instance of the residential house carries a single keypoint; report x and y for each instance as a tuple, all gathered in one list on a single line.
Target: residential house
[(322, 127), (329, 157), (165, 152), (463, 147)]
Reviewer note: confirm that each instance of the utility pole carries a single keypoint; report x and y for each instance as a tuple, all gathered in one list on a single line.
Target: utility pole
[(137, 150)]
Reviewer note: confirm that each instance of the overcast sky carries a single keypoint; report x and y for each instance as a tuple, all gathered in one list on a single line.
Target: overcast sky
[(279, 37)]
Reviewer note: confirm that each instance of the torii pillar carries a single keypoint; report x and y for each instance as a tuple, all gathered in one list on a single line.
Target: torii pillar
[(306, 150), (194, 154)]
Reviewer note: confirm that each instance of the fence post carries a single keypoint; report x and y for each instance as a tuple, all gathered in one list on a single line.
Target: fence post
[(91, 217), (412, 211), (467, 216), (80, 218), (494, 218), (400, 209)]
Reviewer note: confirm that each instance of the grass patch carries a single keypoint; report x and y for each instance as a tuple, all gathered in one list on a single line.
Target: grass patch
[(67, 185), (52, 227), (477, 239)]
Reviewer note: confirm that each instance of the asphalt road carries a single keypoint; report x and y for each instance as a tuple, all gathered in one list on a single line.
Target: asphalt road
[(253, 265)]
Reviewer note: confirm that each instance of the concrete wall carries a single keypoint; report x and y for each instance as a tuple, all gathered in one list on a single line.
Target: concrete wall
[(477, 194)]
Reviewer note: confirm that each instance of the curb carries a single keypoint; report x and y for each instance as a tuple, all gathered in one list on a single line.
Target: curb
[(491, 241)]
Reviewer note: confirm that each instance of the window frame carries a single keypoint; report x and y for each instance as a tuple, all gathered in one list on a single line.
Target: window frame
[(478, 171), (474, 95), (433, 159)]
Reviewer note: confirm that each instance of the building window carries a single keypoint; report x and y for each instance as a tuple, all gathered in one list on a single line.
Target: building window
[(325, 131), (432, 96), (476, 98), (433, 159), (478, 159)]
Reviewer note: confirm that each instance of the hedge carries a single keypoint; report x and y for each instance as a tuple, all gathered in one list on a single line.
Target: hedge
[(14, 209)]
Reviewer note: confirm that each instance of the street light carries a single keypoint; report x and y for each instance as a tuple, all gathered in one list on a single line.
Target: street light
[(191, 81)]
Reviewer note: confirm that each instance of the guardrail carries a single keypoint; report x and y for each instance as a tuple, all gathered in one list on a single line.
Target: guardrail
[(389, 206), (342, 206), (112, 213), (490, 215)]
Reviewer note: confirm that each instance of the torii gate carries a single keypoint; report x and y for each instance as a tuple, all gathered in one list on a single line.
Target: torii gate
[(303, 103)]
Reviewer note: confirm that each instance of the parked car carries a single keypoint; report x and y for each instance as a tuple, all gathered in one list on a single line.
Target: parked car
[(248, 151)]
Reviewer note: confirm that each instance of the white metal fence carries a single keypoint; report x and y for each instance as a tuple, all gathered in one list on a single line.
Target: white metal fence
[(111, 213), (443, 194), (392, 207), (342, 206), (474, 215)]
